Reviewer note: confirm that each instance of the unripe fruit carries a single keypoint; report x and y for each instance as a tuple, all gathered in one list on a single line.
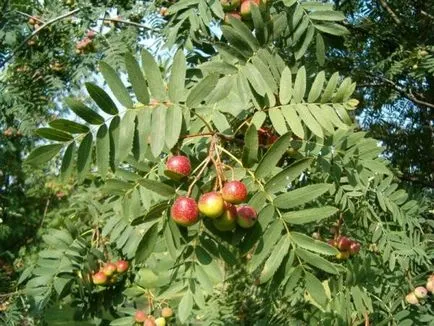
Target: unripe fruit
[(354, 247), (343, 255), (184, 211), (178, 167), (420, 292), (246, 216), (109, 269), (344, 243), (411, 298), (227, 221), (166, 312), (246, 8), (211, 204), (234, 192), (99, 278), (160, 321), (229, 5), (122, 266), (140, 316)]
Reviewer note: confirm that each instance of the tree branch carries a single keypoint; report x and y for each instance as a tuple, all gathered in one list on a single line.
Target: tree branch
[(384, 4), (416, 180), (127, 22), (424, 13), (52, 21)]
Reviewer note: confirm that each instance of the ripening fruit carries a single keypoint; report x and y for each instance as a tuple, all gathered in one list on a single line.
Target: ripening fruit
[(178, 167), (149, 321), (140, 316), (354, 247), (99, 278), (229, 5), (227, 221), (233, 14), (109, 269), (166, 312), (160, 321), (246, 8), (430, 284), (344, 243), (184, 211), (343, 255), (411, 298), (246, 216), (211, 204), (234, 192), (121, 266), (420, 292)]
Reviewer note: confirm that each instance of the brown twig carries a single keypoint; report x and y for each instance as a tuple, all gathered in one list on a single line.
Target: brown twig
[(35, 32), (127, 22), (205, 134), (384, 4)]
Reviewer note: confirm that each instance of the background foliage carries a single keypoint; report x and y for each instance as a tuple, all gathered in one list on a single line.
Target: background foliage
[(105, 196)]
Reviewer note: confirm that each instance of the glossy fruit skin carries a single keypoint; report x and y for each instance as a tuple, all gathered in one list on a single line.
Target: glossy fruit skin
[(246, 216), (166, 312), (229, 5), (184, 211), (140, 316), (178, 167), (122, 266), (227, 222), (160, 321), (354, 248), (411, 298), (420, 292), (99, 278), (246, 10), (211, 204), (234, 192), (109, 269), (344, 243), (149, 322)]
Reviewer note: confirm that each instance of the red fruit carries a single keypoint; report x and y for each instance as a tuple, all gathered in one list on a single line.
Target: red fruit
[(229, 5), (420, 292), (246, 8), (234, 192), (90, 34), (109, 269), (227, 221), (149, 321), (166, 312), (211, 204), (246, 216), (140, 316), (233, 14), (122, 266), (344, 243), (178, 167), (411, 298), (354, 247), (99, 278), (184, 211)]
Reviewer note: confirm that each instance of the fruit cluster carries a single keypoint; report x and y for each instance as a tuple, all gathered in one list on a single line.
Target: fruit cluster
[(110, 273), (240, 9), (35, 22), (421, 292), (217, 206), (86, 44), (141, 318), (345, 245)]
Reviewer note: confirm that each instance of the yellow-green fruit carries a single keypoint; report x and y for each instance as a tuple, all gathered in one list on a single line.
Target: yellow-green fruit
[(166, 312), (211, 204), (343, 255), (227, 222), (160, 321)]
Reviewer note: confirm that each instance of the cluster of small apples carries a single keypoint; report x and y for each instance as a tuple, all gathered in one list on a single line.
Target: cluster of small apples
[(34, 21), (421, 292), (12, 132), (266, 136), (86, 44), (240, 9), (110, 273), (346, 246), (220, 207), (141, 318)]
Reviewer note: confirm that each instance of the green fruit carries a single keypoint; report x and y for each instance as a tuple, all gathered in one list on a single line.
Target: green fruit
[(226, 222), (211, 204), (160, 321)]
